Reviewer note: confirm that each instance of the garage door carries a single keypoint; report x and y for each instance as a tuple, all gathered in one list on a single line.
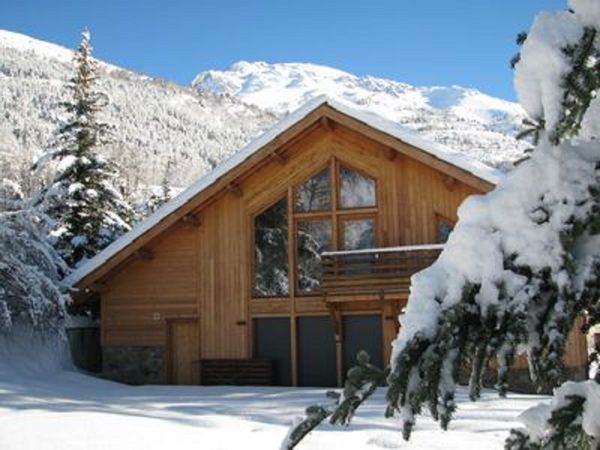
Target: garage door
[(272, 340), (316, 352), (362, 333)]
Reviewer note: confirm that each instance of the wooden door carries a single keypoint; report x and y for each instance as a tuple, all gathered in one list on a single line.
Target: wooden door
[(183, 351)]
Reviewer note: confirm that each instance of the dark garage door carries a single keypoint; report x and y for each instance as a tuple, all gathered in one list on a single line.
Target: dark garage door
[(272, 340), (316, 352), (362, 333)]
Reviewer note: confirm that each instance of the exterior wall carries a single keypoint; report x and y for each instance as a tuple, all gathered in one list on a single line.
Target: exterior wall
[(205, 271), (139, 297)]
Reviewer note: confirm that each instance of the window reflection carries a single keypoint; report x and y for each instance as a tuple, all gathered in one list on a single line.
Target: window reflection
[(314, 237), (271, 251), (358, 234), (444, 228), (315, 193), (356, 190)]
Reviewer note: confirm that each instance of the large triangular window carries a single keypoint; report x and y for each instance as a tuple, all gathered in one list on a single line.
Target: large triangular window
[(271, 272), (333, 209)]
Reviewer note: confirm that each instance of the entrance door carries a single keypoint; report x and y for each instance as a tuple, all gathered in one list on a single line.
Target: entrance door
[(183, 351)]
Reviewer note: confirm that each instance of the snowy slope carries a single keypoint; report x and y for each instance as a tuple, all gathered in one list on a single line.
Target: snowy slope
[(195, 128), (154, 120), (464, 119)]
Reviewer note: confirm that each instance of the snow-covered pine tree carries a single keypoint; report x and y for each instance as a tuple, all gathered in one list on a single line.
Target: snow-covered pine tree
[(157, 199), (82, 199), (30, 269), (523, 262)]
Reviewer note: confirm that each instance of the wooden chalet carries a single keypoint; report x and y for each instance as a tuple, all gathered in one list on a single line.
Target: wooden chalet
[(286, 260)]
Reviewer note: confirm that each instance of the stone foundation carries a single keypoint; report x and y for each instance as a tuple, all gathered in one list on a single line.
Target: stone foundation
[(133, 365)]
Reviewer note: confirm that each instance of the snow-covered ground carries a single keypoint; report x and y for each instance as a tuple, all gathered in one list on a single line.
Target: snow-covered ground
[(66, 410)]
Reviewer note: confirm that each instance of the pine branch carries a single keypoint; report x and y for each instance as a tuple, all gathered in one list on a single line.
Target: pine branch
[(361, 383), (580, 85)]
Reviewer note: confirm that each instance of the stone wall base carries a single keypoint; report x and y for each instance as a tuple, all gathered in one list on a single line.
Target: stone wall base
[(133, 364)]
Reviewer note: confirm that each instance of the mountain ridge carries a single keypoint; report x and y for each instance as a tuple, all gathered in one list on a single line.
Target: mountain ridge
[(166, 130), (464, 118), (162, 129)]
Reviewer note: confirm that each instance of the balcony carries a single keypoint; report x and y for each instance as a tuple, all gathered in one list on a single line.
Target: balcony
[(373, 274)]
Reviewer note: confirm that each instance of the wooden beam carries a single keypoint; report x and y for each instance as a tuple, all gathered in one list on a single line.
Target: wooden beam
[(144, 253), (191, 219), (97, 287), (279, 157), (235, 189), (450, 182), (327, 123), (390, 153)]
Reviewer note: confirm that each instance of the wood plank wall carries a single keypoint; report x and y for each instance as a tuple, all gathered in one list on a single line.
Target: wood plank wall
[(204, 271)]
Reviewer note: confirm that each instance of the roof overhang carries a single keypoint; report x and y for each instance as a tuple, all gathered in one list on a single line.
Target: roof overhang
[(264, 148)]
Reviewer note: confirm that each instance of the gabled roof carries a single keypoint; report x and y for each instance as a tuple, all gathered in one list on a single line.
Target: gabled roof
[(442, 158)]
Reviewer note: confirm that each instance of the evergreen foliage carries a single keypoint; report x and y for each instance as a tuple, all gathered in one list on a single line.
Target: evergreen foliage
[(564, 430), (580, 84), (362, 381), (82, 199), (542, 311), (30, 269), (165, 194), (497, 288)]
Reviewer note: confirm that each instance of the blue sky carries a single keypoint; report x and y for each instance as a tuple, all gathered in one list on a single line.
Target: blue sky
[(422, 42)]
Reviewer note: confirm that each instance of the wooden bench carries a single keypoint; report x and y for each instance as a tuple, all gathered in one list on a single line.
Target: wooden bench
[(239, 372), (373, 272)]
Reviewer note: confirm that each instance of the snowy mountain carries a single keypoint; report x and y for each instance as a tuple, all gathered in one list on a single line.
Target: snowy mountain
[(155, 121), (164, 129), (461, 118)]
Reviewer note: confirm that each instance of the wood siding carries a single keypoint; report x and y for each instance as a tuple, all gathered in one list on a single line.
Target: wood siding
[(204, 270)]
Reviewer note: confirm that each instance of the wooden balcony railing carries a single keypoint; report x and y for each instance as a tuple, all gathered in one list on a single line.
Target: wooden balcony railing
[(377, 271)]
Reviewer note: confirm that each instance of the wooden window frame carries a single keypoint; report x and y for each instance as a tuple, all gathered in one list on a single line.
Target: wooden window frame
[(336, 215)]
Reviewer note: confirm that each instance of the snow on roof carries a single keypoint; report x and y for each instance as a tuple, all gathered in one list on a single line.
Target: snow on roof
[(446, 154)]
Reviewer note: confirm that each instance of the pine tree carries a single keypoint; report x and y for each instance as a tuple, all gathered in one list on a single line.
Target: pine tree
[(156, 200), (31, 292), (523, 262), (89, 211)]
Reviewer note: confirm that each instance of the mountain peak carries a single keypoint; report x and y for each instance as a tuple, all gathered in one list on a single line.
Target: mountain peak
[(282, 87), (464, 118)]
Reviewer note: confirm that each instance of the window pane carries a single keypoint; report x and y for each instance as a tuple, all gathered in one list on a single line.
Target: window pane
[(315, 193), (358, 234), (444, 229), (314, 237), (271, 251), (356, 190)]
